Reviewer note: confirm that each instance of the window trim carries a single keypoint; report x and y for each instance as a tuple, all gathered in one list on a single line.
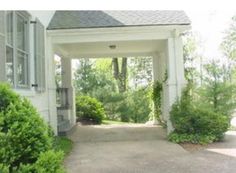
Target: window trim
[(27, 56)]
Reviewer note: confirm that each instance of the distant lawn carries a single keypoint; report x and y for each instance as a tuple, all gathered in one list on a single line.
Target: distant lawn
[(64, 144), (109, 122)]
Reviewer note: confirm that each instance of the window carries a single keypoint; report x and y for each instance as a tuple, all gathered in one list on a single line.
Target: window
[(17, 49), (39, 56)]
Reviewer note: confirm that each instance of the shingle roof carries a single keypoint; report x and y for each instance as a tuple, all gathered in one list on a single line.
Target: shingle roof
[(95, 19)]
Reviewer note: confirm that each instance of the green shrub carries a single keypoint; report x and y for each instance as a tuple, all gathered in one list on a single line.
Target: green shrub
[(196, 125), (4, 168), (24, 136), (89, 110), (191, 138), (50, 162)]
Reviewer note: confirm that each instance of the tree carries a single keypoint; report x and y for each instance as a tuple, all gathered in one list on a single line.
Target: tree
[(85, 76), (228, 47), (217, 93), (94, 78), (140, 70), (192, 58)]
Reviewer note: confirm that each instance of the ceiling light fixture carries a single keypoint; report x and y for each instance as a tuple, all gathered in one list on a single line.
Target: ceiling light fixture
[(112, 46)]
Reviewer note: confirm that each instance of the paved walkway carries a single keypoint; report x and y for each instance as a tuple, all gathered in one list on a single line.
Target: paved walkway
[(144, 149)]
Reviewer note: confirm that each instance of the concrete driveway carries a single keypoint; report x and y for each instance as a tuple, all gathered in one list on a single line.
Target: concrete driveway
[(144, 149)]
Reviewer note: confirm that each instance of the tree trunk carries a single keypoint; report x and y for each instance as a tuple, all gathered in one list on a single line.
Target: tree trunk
[(115, 68), (124, 74), (121, 77)]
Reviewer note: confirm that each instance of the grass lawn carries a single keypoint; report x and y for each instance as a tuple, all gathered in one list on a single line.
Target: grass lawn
[(64, 144), (109, 122)]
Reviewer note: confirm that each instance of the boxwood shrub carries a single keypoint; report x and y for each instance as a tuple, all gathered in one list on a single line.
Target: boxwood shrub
[(24, 136), (89, 110)]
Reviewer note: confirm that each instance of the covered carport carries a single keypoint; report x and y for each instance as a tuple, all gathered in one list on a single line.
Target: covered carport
[(95, 34)]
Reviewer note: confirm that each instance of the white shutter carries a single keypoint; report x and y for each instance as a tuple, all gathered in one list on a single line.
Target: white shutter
[(39, 56), (2, 47)]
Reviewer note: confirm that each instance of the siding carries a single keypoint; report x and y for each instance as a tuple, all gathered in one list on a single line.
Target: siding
[(2, 47)]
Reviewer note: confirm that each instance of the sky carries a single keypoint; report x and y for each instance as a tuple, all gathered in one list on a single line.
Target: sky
[(210, 27)]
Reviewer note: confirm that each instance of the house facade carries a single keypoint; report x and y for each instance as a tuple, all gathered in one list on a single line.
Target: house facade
[(29, 41)]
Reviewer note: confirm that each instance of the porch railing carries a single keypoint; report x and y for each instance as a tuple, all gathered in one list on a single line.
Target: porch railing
[(62, 98)]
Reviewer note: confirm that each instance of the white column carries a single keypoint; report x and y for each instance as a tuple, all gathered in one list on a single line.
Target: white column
[(175, 71), (66, 72), (51, 84), (67, 83)]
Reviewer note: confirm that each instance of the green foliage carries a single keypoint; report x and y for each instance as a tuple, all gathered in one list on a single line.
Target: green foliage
[(21, 140), (89, 109), (95, 78), (91, 77), (24, 136), (140, 70), (63, 144), (228, 45), (7, 97), (191, 138), (217, 93), (131, 106), (136, 106), (191, 56), (4, 168), (195, 125), (156, 97), (50, 162)]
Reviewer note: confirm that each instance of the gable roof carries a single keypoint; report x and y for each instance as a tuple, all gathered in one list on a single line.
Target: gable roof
[(101, 19)]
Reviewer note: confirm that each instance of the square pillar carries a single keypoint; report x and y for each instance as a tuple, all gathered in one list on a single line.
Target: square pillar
[(51, 84), (175, 71), (67, 83)]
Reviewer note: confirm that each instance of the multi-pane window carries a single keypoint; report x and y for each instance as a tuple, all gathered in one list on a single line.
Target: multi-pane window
[(17, 49)]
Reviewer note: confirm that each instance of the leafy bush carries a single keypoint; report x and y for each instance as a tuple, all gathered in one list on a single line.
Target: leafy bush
[(50, 162), (24, 136), (191, 138), (196, 125), (4, 168), (89, 109)]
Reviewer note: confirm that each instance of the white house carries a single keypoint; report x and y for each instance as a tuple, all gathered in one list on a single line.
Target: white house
[(30, 39)]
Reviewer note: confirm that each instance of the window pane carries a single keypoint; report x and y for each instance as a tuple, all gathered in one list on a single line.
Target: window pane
[(9, 65), (21, 32), (22, 72), (9, 28)]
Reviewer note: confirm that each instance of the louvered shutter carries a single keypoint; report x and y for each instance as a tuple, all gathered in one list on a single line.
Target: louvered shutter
[(2, 47), (39, 56)]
